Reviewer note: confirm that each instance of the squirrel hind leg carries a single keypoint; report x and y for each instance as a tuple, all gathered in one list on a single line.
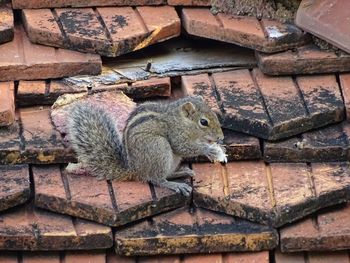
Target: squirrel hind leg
[(182, 188)]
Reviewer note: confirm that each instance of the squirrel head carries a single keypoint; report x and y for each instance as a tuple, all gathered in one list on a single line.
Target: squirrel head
[(200, 120)]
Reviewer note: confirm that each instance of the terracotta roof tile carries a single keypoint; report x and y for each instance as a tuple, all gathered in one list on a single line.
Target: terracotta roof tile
[(326, 144), (7, 103), (326, 19), (110, 203), (29, 228), (6, 23), (14, 185), (270, 193), (190, 2), (303, 60), (198, 231), (266, 36), (328, 230), (20, 59), (313, 257), (23, 4), (269, 107), (109, 31)]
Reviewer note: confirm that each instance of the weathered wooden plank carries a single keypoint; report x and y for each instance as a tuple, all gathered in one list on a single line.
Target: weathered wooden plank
[(199, 231), (328, 230), (14, 185), (29, 228)]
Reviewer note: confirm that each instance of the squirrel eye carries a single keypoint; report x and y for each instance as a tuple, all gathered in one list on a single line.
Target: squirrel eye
[(204, 122)]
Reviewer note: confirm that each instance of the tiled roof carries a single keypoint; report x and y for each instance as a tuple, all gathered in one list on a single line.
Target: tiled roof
[(283, 103)]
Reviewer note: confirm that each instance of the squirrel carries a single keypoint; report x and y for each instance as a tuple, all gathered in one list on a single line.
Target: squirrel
[(157, 136)]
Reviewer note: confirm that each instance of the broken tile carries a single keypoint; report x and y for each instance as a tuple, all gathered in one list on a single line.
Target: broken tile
[(30, 228), (22, 60), (269, 107), (27, 4), (274, 194), (6, 22), (7, 103), (328, 230), (42, 142), (174, 58), (110, 203), (109, 31), (326, 20), (307, 59), (266, 36), (14, 185), (198, 231), (329, 144)]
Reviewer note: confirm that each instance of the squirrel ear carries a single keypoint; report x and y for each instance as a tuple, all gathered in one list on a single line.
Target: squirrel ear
[(188, 108)]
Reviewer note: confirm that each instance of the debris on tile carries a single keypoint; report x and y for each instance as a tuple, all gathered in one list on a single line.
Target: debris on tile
[(280, 10)]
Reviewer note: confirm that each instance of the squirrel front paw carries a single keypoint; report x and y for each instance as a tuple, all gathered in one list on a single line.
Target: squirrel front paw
[(216, 153)]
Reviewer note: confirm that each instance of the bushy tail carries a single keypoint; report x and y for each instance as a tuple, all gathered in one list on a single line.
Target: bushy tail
[(94, 137)]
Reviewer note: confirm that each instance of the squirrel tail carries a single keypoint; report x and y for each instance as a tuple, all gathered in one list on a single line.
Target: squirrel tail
[(97, 142)]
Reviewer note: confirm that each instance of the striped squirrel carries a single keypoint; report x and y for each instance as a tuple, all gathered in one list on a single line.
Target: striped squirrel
[(157, 136)]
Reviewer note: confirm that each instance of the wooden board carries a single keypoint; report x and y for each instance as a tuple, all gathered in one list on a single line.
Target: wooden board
[(198, 231), (14, 185), (274, 194), (108, 31), (29, 228), (265, 35), (328, 230), (329, 144), (22, 60), (110, 203), (269, 107), (307, 59)]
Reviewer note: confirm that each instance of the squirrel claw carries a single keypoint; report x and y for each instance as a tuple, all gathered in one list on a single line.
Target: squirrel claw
[(182, 188)]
